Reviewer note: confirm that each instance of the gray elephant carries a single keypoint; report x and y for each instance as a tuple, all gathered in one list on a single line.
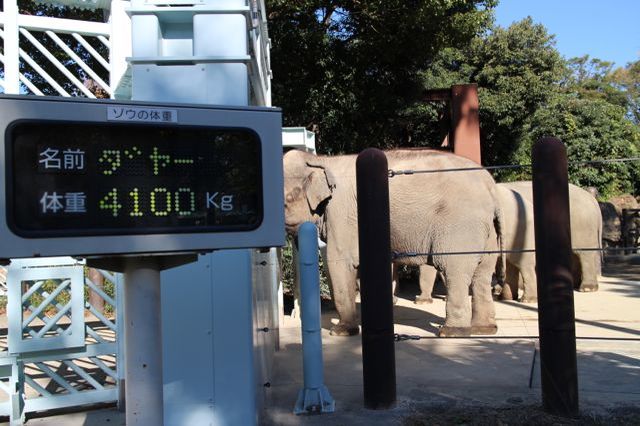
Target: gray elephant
[(430, 213), (586, 233), (516, 201), (427, 276)]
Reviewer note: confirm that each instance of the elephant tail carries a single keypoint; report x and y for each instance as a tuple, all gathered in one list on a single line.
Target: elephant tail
[(498, 222)]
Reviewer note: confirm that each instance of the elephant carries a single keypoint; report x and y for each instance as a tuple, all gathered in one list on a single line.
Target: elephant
[(516, 200), (427, 276), (586, 232), (431, 213)]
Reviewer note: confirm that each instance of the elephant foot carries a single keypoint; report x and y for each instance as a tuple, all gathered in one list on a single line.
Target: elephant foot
[(496, 292), (344, 330), (395, 300), (527, 299), (448, 331), (484, 329), (588, 287), (423, 300), (506, 293)]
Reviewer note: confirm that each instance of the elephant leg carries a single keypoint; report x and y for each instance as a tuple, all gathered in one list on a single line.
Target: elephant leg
[(458, 308), (529, 285), (428, 275), (343, 290), (394, 282), (590, 268), (483, 313), (510, 288)]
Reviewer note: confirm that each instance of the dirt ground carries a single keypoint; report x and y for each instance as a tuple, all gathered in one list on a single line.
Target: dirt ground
[(620, 267)]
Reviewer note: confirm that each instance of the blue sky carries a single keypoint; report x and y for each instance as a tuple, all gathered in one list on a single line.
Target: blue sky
[(604, 29)]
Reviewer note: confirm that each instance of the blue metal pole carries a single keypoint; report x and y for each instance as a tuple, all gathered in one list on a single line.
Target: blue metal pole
[(314, 398)]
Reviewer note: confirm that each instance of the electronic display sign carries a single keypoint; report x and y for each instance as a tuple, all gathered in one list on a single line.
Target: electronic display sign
[(105, 177), (73, 179)]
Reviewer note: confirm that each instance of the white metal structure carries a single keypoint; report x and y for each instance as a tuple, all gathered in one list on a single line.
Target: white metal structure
[(220, 327), (61, 351), (23, 34), (57, 354)]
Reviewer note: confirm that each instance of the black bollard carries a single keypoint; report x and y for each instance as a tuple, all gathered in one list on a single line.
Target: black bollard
[(378, 345), (556, 315)]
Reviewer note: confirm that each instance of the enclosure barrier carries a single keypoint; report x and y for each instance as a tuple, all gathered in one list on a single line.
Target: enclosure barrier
[(314, 398), (556, 314), (553, 257), (62, 347), (344, 178), (378, 352)]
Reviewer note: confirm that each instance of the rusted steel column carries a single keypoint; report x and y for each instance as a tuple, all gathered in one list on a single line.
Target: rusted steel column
[(465, 121), (378, 351), (556, 315), (95, 299)]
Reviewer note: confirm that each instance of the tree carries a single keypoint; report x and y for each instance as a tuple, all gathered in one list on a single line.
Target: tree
[(516, 70), (593, 78), (348, 69), (592, 130), (628, 79), (528, 91)]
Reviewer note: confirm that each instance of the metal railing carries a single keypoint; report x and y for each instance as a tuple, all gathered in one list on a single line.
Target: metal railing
[(77, 50)]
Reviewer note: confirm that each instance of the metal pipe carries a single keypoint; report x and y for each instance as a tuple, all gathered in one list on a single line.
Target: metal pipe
[(556, 315), (143, 345), (314, 398), (378, 345)]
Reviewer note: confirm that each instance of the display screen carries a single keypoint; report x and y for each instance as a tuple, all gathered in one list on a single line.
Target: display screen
[(78, 179)]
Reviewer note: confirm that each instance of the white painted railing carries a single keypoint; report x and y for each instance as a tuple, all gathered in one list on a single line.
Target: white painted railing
[(72, 45)]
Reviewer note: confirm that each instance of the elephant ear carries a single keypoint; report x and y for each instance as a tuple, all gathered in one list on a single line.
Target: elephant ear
[(318, 187)]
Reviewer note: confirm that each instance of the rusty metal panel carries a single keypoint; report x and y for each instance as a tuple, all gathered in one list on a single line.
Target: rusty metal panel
[(465, 121)]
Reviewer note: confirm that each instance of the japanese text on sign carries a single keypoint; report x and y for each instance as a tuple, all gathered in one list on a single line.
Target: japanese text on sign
[(152, 115), (135, 179)]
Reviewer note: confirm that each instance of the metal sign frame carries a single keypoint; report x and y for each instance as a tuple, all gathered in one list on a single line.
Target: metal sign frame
[(265, 122)]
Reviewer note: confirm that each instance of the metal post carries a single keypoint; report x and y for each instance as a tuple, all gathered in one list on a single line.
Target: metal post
[(556, 316), (314, 397), (465, 121), (143, 346), (378, 351), (95, 299), (11, 48)]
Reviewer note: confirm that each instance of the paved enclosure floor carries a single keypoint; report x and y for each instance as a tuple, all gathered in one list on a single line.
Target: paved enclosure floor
[(497, 371), (435, 375)]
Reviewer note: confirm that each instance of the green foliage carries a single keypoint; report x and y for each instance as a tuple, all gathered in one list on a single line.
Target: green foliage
[(515, 69), (349, 70), (288, 272), (628, 80), (528, 91), (64, 297), (49, 286), (110, 289), (592, 129)]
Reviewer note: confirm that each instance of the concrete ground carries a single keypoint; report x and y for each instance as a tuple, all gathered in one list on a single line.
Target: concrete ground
[(436, 375), (497, 371)]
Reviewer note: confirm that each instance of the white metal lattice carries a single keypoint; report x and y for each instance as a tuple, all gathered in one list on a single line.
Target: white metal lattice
[(44, 309), (77, 50)]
